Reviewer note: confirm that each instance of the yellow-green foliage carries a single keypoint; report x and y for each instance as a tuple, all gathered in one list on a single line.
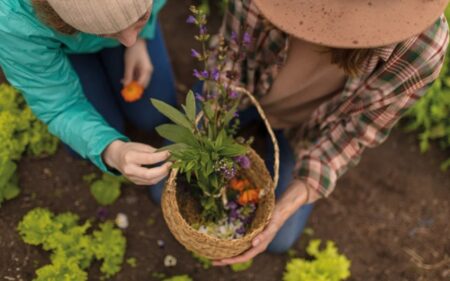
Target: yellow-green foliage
[(105, 190), (20, 131), (431, 114), (179, 278), (73, 250), (328, 265)]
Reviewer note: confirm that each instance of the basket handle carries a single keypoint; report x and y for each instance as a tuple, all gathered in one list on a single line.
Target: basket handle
[(276, 166)]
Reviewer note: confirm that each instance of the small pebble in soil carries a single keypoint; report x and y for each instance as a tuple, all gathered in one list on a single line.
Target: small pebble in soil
[(160, 243), (170, 261), (121, 220)]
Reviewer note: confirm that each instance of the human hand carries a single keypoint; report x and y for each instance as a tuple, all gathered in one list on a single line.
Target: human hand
[(296, 195), (138, 64), (129, 158)]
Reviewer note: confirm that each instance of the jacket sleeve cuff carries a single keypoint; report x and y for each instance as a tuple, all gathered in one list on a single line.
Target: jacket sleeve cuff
[(95, 154)]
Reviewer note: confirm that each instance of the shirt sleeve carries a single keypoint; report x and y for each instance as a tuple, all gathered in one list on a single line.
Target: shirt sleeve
[(44, 75), (341, 144), (148, 32)]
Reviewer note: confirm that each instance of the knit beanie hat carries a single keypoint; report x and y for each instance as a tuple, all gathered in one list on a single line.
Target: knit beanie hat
[(101, 16)]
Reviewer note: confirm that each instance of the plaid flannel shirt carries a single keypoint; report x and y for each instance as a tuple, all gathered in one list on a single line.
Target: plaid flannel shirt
[(362, 115)]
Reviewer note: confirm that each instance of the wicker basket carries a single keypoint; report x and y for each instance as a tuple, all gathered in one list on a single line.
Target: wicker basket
[(180, 211)]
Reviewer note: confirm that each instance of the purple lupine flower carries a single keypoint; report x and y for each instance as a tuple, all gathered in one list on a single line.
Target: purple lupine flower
[(243, 161), (195, 54), (205, 74), (215, 74), (201, 75), (191, 19), (247, 39), (203, 30), (240, 230), (234, 36), (199, 97), (236, 115), (232, 205), (234, 215), (233, 95)]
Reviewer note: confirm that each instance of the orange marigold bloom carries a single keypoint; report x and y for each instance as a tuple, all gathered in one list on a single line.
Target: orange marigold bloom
[(239, 185), (132, 92), (249, 196)]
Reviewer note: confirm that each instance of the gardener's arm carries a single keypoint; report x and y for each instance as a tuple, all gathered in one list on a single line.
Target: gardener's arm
[(53, 91)]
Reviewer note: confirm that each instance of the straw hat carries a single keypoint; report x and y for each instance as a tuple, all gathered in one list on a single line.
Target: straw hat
[(101, 16), (352, 23)]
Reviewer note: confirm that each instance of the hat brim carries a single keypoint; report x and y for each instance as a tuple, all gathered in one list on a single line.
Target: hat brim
[(352, 23)]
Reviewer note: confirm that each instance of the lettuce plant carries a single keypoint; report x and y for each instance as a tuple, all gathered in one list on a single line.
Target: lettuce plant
[(20, 131), (327, 265), (72, 248)]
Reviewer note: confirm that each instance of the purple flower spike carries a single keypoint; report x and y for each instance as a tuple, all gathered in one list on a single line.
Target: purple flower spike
[(205, 74), (232, 205), (236, 114), (215, 74), (199, 97), (247, 39), (197, 74), (191, 20), (233, 95), (203, 30), (243, 161), (195, 54), (240, 230), (234, 36)]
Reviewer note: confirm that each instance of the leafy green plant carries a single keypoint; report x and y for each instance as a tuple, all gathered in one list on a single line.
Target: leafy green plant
[(328, 265), (179, 278), (430, 116), (238, 267), (20, 132), (72, 249), (105, 190)]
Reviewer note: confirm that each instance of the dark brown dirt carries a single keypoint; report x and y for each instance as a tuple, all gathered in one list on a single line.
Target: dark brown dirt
[(393, 206)]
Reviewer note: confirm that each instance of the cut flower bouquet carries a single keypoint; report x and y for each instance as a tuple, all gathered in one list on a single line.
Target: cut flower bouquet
[(219, 195)]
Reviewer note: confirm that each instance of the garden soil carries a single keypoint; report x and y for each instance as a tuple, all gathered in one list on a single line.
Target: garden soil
[(389, 215)]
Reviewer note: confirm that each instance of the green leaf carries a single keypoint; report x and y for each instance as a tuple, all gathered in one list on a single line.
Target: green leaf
[(233, 150), (209, 112), (11, 191), (106, 190), (177, 134), (172, 113), (230, 114), (238, 267), (190, 108)]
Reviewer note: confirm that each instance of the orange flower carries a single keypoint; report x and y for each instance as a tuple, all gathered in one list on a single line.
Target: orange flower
[(249, 196), (132, 92), (239, 185)]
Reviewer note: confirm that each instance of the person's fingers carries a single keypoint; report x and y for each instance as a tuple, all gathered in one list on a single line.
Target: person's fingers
[(250, 254), (142, 158), (143, 147), (151, 176), (145, 73), (129, 72)]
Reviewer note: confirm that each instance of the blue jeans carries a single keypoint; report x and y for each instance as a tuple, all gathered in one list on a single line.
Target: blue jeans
[(293, 228), (101, 74)]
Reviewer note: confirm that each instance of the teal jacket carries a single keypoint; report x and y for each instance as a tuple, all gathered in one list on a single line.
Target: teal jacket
[(34, 60)]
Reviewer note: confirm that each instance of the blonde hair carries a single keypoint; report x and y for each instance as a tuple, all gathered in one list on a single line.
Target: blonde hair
[(351, 60), (48, 16)]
